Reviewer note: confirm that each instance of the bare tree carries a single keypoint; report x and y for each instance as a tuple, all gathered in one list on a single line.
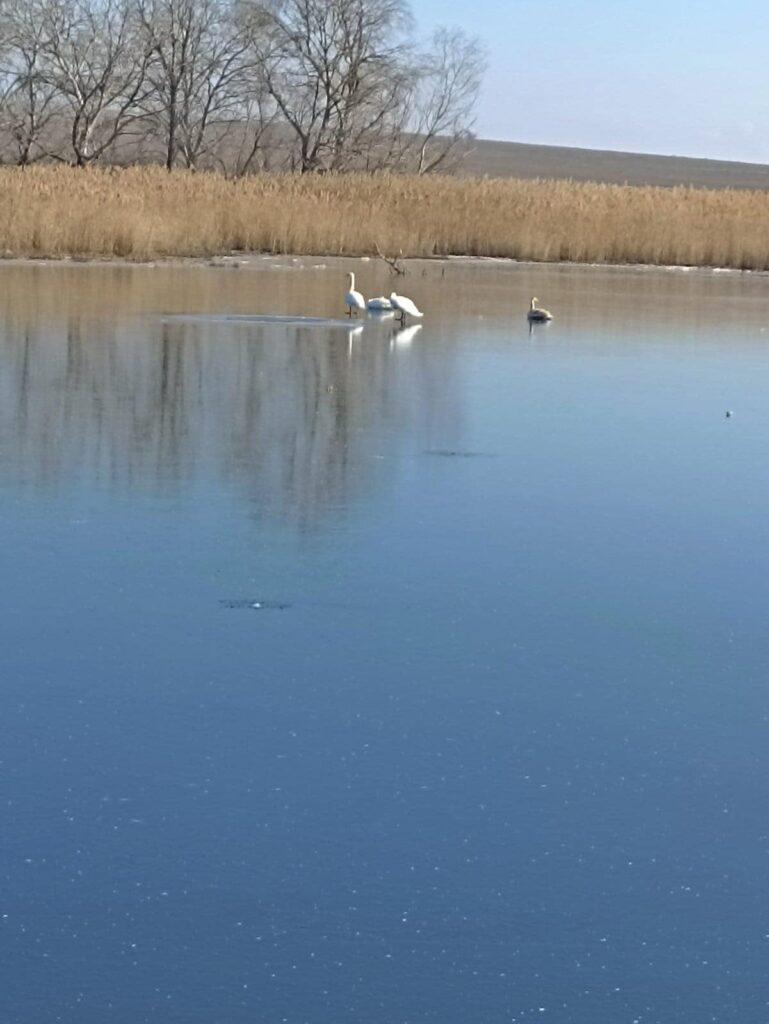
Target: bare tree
[(97, 68), (444, 98), (29, 99), (198, 59), (258, 117), (312, 85), (336, 73)]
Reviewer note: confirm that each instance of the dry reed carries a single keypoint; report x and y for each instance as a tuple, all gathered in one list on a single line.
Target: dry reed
[(146, 213)]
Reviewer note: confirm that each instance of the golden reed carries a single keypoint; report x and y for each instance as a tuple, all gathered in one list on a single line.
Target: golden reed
[(146, 213)]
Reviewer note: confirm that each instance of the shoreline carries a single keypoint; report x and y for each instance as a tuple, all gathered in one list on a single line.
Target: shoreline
[(257, 260)]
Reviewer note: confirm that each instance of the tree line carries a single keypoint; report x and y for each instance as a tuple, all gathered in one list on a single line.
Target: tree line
[(242, 85)]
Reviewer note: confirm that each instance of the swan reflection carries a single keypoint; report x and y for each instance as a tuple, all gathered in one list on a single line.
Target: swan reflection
[(352, 334), (404, 337)]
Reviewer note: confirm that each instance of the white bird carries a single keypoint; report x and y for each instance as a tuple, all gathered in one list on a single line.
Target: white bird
[(404, 306), (379, 305), (352, 299), (537, 314)]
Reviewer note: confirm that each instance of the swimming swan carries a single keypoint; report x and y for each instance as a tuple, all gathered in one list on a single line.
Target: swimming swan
[(537, 314), (404, 306), (352, 299)]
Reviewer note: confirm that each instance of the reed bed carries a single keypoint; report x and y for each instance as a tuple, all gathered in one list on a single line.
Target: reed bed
[(146, 213)]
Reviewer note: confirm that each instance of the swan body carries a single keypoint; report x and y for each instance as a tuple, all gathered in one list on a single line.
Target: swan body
[(352, 299), (537, 314), (404, 306), (380, 304)]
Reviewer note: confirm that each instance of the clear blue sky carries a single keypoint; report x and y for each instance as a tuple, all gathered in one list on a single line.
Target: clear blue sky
[(645, 75)]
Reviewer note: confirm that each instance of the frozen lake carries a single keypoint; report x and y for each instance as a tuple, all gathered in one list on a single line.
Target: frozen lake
[(368, 677)]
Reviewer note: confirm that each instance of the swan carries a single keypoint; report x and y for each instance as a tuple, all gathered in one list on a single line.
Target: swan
[(537, 314), (379, 305), (352, 299), (404, 306)]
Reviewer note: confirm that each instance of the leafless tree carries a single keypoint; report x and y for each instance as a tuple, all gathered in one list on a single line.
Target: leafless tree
[(312, 85), (336, 73), (258, 137), (444, 98), (29, 99), (198, 57), (96, 66)]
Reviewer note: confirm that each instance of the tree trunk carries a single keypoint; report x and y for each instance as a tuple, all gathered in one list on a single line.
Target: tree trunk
[(171, 141)]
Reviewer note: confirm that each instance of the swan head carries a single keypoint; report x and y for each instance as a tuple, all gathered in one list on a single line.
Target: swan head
[(351, 279), (534, 302)]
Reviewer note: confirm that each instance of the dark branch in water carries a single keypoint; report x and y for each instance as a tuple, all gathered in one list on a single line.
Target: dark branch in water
[(395, 263)]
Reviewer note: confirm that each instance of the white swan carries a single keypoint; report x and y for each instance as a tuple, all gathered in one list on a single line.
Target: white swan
[(536, 313), (352, 299), (380, 304), (404, 306)]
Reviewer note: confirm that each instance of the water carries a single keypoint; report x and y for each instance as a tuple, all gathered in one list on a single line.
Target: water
[(382, 678)]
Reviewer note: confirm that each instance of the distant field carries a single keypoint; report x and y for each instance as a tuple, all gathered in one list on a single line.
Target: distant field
[(147, 213), (518, 160)]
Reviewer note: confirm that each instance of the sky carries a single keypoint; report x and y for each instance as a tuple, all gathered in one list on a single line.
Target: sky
[(650, 76)]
